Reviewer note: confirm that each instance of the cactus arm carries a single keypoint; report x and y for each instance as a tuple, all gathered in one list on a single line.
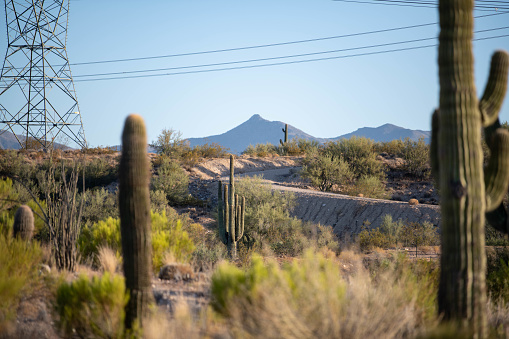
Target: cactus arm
[(226, 209), (220, 214), (239, 230), (135, 229), (497, 172), (232, 248), (435, 169), (495, 90)]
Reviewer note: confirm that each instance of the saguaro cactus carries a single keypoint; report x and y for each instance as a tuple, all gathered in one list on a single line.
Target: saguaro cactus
[(467, 192), (135, 228), (23, 223), (230, 213), (285, 131)]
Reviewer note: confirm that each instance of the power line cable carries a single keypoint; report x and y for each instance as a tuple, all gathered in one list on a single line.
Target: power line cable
[(281, 63), (270, 45), (418, 4), (274, 58)]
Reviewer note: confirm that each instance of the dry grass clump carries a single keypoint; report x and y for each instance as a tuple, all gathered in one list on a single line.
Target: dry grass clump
[(108, 260), (312, 298)]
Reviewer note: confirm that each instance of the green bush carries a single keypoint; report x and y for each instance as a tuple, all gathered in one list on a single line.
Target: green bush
[(92, 308), (415, 234), (99, 204), (172, 180), (158, 201), (261, 150), (100, 172), (19, 261), (326, 171), (371, 238), (268, 221), (370, 187), (168, 236), (170, 143), (359, 153), (416, 154), (393, 147)]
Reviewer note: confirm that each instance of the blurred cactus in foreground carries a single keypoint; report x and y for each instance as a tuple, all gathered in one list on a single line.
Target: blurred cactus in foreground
[(135, 227), (467, 191)]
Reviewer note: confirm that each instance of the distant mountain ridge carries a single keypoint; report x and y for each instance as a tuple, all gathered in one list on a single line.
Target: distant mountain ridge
[(257, 130), (387, 132)]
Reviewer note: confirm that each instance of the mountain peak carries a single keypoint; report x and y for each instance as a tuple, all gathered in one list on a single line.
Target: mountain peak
[(256, 117)]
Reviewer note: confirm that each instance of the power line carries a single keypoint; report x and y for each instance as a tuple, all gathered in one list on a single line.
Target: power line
[(274, 58), (282, 63), (270, 45), (423, 4)]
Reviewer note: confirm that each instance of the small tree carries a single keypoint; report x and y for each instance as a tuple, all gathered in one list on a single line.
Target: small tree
[(324, 171), (170, 143)]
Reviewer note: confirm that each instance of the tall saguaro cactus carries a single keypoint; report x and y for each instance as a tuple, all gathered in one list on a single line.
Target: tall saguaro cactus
[(230, 213), (467, 191), (135, 228), (285, 131)]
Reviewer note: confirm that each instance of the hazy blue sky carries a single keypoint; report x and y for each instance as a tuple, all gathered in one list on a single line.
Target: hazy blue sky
[(323, 98)]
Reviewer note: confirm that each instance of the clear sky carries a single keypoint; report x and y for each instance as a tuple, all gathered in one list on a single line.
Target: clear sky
[(323, 98)]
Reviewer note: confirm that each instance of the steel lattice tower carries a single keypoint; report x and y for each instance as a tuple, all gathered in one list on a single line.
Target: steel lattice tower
[(37, 95)]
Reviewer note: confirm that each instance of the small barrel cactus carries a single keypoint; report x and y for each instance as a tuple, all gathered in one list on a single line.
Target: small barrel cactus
[(135, 228), (23, 223)]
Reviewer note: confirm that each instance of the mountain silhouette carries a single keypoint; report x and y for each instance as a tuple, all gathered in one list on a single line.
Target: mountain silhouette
[(257, 130)]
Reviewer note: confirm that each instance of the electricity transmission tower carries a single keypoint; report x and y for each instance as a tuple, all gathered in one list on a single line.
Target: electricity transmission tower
[(37, 96)]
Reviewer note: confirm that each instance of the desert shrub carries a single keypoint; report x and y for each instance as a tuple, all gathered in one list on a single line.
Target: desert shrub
[(369, 186), (172, 180), (371, 238), (100, 172), (158, 201), (359, 154), (19, 261), (207, 255), (268, 221), (310, 298), (415, 234), (494, 237), (391, 234), (326, 171), (168, 236), (289, 148), (391, 229), (212, 150), (497, 282), (416, 154), (264, 208), (99, 204), (92, 307), (170, 143), (99, 150), (393, 147), (261, 150), (308, 146)]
